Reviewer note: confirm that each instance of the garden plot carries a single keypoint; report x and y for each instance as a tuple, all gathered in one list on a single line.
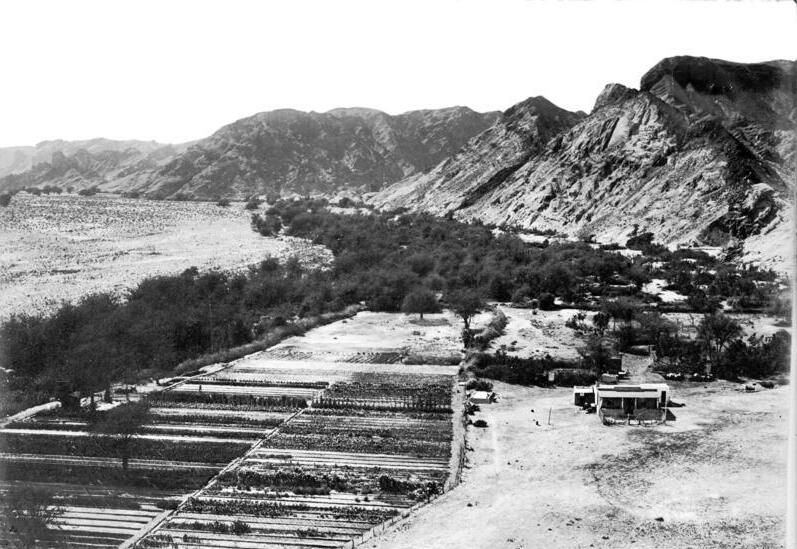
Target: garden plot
[(288, 372), (264, 391), (95, 517)]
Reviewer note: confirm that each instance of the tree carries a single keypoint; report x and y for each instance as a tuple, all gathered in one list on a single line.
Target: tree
[(27, 514), (716, 331), (121, 425), (595, 355), (420, 301), (465, 303), (253, 203), (601, 322)]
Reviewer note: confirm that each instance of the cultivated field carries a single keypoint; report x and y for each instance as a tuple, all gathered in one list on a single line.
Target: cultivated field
[(368, 438), (60, 248), (289, 447)]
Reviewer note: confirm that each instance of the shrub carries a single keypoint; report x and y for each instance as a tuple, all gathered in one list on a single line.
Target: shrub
[(480, 423), (223, 202), (253, 203), (5, 199), (91, 191), (479, 385), (546, 302)]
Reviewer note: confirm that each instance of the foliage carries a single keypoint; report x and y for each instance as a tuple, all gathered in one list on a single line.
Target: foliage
[(121, 424), (91, 191), (253, 203), (757, 357), (479, 385), (716, 331), (420, 301)]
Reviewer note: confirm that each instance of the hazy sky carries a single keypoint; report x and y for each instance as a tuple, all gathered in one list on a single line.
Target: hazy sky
[(177, 70)]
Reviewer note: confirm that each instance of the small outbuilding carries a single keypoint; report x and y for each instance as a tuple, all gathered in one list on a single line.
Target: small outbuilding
[(481, 397)]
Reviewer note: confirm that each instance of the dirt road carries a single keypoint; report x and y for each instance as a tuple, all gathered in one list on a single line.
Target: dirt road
[(712, 479)]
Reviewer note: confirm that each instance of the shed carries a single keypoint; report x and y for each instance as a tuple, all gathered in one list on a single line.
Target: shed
[(583, 395), (481, 397)]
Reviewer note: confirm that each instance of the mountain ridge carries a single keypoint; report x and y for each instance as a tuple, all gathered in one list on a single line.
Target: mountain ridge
[(710, 167)]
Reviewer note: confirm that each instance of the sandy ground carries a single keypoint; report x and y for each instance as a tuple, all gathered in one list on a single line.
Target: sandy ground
[(656, 287), (60, 248), (436, 334), (535, 335), (714, 478)]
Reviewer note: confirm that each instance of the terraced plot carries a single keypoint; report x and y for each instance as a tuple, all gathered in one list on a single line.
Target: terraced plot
[(369, 448), (181, 447), (93, 517)]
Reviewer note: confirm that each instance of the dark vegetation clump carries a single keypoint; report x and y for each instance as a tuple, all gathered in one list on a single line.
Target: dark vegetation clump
[(479, 385), (389, 261), (91, 191)]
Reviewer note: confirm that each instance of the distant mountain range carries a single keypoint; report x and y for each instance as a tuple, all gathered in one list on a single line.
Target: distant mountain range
[(284, 151), (703, 151)]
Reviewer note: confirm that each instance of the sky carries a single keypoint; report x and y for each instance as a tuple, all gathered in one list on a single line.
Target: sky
[(178, 70)]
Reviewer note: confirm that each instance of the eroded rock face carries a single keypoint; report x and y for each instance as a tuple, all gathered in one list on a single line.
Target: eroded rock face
[(703, 152)]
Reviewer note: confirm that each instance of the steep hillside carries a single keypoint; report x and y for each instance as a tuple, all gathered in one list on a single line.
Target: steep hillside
[(702, 152), (289, 151), (486, 162)]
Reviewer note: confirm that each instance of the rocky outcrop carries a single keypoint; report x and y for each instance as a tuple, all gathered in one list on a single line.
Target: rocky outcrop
[(702, 152), (485, 163)]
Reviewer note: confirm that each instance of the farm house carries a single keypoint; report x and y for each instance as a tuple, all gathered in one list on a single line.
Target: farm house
[(646, 402)]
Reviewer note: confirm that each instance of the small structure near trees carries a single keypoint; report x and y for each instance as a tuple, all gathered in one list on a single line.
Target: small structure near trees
[(481, 397), (643, 403)]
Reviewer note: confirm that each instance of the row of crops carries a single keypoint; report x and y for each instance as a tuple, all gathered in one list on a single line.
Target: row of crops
[(368, 447), (330, 451), (187, 439)]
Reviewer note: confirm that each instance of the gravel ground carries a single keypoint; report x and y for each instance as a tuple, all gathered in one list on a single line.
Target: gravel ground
[(61, 248)]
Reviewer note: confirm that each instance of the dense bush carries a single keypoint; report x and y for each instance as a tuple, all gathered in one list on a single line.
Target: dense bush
[(479, 385)]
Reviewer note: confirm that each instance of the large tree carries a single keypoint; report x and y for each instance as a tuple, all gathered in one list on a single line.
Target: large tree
[(466, 304), (121, 425), (420, 301), (716, 331)]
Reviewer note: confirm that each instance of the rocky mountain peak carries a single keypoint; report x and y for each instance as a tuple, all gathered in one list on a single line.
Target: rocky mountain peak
[(612, 94)]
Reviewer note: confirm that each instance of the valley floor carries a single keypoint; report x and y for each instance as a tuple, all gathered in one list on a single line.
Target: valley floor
[(62, 248), (714, 478)]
